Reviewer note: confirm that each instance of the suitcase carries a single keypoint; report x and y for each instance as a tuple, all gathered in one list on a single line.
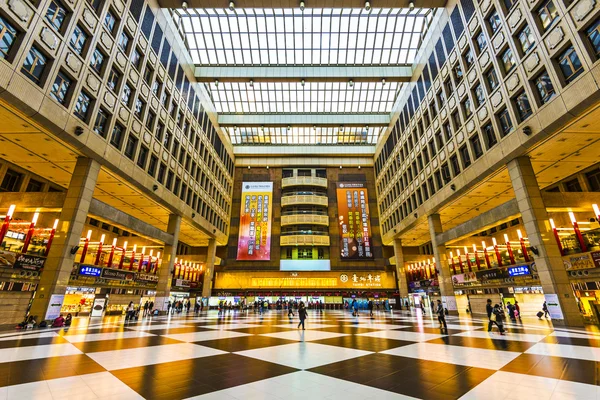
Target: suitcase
[(539, 314)]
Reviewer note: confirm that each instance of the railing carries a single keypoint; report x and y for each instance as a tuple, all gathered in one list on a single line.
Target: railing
[(304, 199), (304, 181), (304, 240), (311, 219)]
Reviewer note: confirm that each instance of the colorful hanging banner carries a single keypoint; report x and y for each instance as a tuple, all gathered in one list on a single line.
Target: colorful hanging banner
[(254, 240), (354, 221)]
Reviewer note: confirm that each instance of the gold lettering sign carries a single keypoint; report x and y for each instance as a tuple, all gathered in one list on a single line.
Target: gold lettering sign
[(293, 282)]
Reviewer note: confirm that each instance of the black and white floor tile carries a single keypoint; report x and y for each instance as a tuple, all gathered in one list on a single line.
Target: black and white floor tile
[(247, 356)]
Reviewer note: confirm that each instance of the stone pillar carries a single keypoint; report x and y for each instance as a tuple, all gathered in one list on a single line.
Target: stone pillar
[(59, 264), (441, 263), (400, 270), (165, 273), (549, 264), (209, 272)]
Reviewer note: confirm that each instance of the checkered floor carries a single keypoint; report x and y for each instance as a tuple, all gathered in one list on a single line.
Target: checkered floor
[(247, 356)]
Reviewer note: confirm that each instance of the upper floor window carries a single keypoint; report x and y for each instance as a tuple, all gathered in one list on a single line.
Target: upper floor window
[(489, 136), (544, 87), (96, 4), (494, 21), (126, 96), (97, 61), (83, 106), (508, 60), (113, 80), (116, 139), (505, 122), (509, 4), (458, 73), (492, 78), (523, 106), (526, 39), (479, 95), (569, 64), (60, 88), (548, 14), (123, 43), (593, 34), (56, 15), (469, 58), (101, 122), (34, 65), (110, 21), (476, 147), (8, 35), (481, 41), (136, 58), (79, 40)]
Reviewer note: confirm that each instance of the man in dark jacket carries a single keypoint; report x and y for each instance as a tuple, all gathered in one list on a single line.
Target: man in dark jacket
[(302, 314), (441, 315)]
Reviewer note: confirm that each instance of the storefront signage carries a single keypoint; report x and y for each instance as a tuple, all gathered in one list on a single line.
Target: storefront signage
[(182, 283), (582, 261), (254, 241), (116, 274), (98, 307), (56, 302), (89, 270), (519, 270), (488, 274), (354, 221), (26, 261), (464, 278), (146, 278), (553, 306), (423, 284), (302, 280)]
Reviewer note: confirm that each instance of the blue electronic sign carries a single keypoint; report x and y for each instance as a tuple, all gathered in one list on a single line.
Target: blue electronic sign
[(519, 270), (88, 270)]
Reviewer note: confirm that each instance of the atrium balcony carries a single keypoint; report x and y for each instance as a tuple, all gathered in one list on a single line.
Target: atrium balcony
[(304, 181)]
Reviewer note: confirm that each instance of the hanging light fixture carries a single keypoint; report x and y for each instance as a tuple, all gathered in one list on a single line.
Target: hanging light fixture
[(411, 6), (302, 6), (251, 83), (351, 83), (302, 82), (231, 6), (367, 6)]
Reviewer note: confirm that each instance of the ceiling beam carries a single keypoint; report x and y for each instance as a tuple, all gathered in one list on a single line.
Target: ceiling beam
[(295, 3), (291, 73), (320, 120)]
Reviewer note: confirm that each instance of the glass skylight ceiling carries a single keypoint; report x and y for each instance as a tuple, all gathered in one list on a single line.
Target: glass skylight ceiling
[(313, 97), (304, 135), (292, 37)]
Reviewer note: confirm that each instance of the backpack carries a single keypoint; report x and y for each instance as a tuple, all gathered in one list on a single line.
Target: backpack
[(43, 324)]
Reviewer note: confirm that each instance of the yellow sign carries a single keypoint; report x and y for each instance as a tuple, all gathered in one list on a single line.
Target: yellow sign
[(305, 280)]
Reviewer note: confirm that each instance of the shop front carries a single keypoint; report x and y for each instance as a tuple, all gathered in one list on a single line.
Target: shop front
[(314, 287), (78, 301)]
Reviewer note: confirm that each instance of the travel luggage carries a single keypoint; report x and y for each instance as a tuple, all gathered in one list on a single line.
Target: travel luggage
[(539, 314)]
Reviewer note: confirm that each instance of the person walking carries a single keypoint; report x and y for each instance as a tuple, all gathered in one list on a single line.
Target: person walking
[(511, 311), (145, 309), (422, 308), (370, 308), (441, 316), (302, 314), (545, 310), (290, 310), (489, 310), (151, 307), (498, 317)]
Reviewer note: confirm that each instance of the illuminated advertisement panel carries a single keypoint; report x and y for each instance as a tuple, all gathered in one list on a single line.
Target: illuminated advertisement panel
[(354, 221), (254, 242)]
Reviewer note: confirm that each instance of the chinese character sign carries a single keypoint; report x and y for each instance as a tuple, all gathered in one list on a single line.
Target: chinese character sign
[(354, 221), (254, 242)]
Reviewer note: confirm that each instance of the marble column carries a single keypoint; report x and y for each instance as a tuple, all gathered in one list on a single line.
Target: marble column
[(441, 263), (209, 272), (165, 273), (50, 292), (548, 262)]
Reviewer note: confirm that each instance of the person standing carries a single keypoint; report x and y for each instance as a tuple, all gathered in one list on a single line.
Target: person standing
[(145, 308), (545, 310), (422, 307), (517, 310), (370, 308), (151, 307), (511, 311), (441, 316), (489, 310), (302, 314)]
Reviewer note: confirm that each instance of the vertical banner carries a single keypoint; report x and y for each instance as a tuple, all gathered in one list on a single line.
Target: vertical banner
[(354, 220), (254, 240)]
